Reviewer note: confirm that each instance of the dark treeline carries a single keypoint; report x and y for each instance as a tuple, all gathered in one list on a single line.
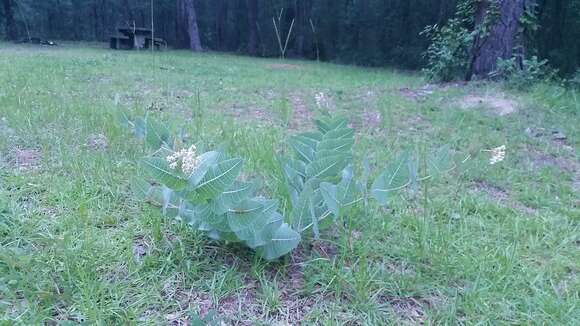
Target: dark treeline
[(366, 32)]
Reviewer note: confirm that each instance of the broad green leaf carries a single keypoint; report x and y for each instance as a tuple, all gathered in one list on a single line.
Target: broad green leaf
[(211, 221), (206, 162), (223, 236), (394, 177), (162, 173), (341, 195), (140, 128), (304, 151), (237, 193), (328, 166), (218, 179), (329, 193), (188, 214), (247, 218), (294, 174), (314, 136), (335, 146), (261, 237), (283, 241), (295, 167), (124, 119), (306, 140), (314, 220), (338, 123), (155, 196), (341, 133), (322, 125), (300, 215), (327, 125), (366, 172), (439, 162), (157, 134), (140, 188), (171, 202), (347, 188)]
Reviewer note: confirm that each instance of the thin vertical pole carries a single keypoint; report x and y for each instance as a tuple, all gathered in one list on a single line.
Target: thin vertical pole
[(152, 28)]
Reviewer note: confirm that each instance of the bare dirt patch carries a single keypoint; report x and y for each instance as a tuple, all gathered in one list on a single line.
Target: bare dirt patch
[(97, 142), (301, 115), (500, 195), (140, 248), (368, 120), (412, 310), (541, 160), (240, 307), (555, 137), (26, 159), (415, 123), (420, 94), (283, 66), (495, 103), (253, 114), (416, 94), (325, 249), (398, 268), (245, 306)]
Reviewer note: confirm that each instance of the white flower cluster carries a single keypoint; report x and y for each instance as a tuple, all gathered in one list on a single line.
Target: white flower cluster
[(186, 158), (321, 100), (497, 154)]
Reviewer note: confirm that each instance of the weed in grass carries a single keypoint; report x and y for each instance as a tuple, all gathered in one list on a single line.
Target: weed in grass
[(284, 111)]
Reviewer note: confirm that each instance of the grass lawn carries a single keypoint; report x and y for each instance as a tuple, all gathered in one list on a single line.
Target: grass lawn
[(487, 244)]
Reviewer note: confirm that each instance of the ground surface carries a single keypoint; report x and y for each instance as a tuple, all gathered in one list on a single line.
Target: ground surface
[(491, 244)]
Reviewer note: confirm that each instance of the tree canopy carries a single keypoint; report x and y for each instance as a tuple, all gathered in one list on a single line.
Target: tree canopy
[(370, 32)]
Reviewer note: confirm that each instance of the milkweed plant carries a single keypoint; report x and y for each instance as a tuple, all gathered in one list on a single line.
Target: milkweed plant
[(204, 189)]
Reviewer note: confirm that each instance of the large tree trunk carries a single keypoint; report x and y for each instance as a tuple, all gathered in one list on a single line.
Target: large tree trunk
[(11, 31), (192, 28), (501, 41), (253, 27), (221, 25), (181, 34)]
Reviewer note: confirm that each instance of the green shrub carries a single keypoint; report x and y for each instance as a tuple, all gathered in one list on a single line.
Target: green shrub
[(204, 190), (574, 82), (448, 55), (530, 72), (322, 158)]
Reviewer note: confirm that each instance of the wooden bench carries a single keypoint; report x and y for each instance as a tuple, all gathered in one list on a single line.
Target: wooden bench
[(121, 43), (159, 43), (137, 38)]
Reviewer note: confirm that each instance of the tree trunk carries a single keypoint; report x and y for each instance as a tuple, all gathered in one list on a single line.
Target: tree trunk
[(77, 26), (221, 25), (192, 28), (128, 12), (300, 26), (181, 25), (95, 20), (11, 31), (253, 27), (502, 39)]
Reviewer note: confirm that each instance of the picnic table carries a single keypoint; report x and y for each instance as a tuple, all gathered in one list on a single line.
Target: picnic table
[(130, 38)]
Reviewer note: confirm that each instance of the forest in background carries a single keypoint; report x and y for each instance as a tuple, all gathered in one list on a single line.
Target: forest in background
[(370, 32)]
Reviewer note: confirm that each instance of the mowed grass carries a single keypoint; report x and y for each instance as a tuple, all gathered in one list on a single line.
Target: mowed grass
[(487, 244)]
